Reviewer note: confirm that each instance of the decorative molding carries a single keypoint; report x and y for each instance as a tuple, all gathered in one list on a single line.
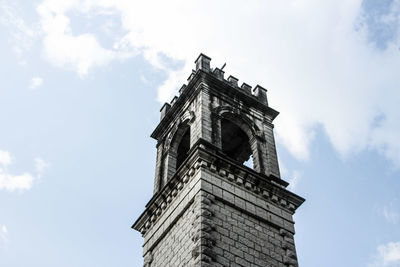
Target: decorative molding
[(266, 189)]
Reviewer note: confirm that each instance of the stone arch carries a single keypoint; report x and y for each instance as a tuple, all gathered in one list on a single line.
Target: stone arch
[(242, 120), (186, 120), (180, 137), (253, 133), (177, 145)]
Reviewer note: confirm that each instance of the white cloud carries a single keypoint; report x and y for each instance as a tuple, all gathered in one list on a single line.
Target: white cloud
[(294, 180), (23, 35), (79, 52), (4, 235), (144, 80), (5, 158), (292, 177), (387, 255), (391, 215), (35, 82), (40, 166), (12, 182), (314, 56), (4, 229), (21, 182)]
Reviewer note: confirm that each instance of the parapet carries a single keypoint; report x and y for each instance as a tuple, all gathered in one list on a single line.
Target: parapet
[(261, 94), (246, 88), (233, 81), (164, 109), (219, 73), (203, 64)]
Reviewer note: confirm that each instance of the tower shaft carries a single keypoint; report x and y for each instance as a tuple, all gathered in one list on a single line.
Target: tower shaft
[(209, 207)]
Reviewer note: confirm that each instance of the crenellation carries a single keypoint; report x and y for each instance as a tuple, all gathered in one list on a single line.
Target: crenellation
[(203, 62), (191, 76), (219, 74), (246, 88), (173, 100), (182, 89), (233, 81), (164, 109), (261, 94)]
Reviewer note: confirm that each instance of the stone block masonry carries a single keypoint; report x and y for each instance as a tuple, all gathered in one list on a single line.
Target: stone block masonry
[(208, 208), (250, 230), (215, 219)]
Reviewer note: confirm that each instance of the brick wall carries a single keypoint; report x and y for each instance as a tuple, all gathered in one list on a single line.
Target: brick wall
[(217, 218), (242, 240), (251, 229), (176, 247)]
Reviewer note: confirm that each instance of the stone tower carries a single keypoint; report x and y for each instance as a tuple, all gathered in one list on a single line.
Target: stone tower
[(209, 207)]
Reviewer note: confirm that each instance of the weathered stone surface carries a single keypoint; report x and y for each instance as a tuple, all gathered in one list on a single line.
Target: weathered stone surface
[(208, 209)]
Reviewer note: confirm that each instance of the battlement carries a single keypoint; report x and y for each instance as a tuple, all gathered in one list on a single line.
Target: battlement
[(203, 64)]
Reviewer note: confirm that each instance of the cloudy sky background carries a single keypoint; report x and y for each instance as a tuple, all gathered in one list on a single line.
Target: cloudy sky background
[(82, 83)]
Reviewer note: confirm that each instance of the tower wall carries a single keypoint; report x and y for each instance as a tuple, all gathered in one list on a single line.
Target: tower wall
[(211, 210), (250, 229), (216, 216)]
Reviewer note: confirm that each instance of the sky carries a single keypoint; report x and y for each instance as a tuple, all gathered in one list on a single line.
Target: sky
[(82, 83)]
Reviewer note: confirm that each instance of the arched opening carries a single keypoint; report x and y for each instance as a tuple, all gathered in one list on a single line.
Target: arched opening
[(235, 143), (183, 148)]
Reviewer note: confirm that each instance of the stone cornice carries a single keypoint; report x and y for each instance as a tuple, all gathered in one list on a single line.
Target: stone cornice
[(203, 155)]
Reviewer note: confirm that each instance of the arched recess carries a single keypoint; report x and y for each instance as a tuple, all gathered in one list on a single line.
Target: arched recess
[(235, 142), (238, 137), (183, 148), (235, 115), (177, 148)]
